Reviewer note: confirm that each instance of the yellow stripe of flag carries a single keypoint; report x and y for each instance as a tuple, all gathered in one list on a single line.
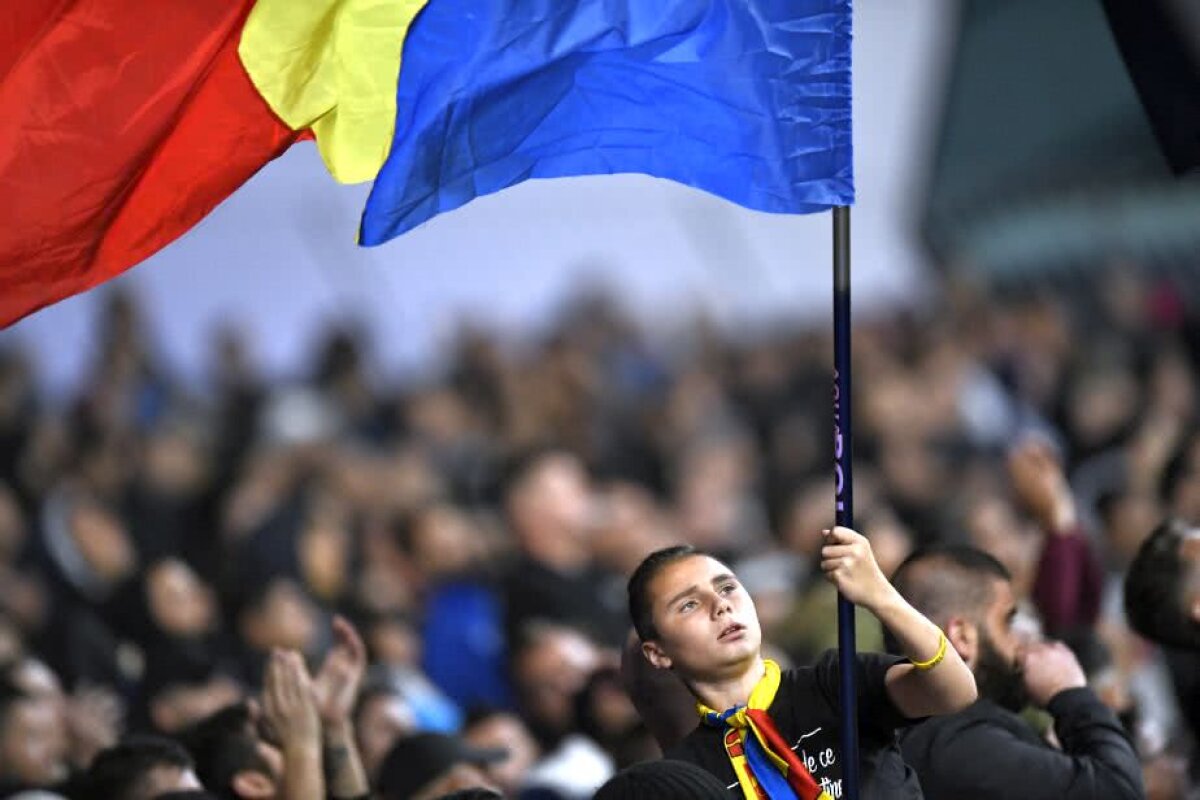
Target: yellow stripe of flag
[(333, 66)]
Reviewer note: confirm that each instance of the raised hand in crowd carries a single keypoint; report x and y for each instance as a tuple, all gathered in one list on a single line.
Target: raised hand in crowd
[(1069, 585), (335, 691), (1038, 480), (290, 710)]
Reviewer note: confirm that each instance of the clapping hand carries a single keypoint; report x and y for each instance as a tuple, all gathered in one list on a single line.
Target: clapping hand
[(289, 706), (335, 687)]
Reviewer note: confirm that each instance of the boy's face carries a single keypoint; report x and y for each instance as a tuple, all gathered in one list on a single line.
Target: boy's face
[(706, 623)]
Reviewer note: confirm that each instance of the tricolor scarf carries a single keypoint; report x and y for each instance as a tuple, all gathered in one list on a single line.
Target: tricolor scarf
[(766, 768)]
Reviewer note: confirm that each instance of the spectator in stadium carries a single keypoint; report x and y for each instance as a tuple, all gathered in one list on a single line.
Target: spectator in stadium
[(381, 717), (988, 750), (426, 766), (500, 730), (1162, 587), (309, 723), (550, 508), (139, 768), (1162, 602), (694, 618), (33, 742)]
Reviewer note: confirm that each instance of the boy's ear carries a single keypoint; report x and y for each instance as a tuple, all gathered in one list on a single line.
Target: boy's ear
[(655, 655)]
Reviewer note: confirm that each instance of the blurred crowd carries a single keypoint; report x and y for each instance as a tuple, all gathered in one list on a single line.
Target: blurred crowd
[(450, 552)]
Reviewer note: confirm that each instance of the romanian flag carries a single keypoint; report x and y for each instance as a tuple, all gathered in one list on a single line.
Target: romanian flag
[(126, 121), (746, 99)]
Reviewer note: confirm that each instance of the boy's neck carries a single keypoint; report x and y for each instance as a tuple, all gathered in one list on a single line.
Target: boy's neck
[(726, 692)]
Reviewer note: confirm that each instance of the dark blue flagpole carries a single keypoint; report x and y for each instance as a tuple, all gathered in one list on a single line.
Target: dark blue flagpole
[(843, 463)]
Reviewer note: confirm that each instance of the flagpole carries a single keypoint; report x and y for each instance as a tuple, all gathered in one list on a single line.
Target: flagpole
[(842, 453)]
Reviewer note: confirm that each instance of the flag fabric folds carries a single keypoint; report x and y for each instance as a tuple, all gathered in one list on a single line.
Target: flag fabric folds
[(124, 124), (126, 121), (746, 99), (332, 66)]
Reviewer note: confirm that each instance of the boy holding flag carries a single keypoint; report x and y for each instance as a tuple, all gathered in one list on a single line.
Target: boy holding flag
[(774, 734)]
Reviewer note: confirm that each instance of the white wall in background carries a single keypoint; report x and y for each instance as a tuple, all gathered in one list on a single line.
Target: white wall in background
[(278, 258)]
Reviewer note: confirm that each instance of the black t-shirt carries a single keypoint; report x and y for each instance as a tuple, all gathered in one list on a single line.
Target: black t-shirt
[(805, 711)]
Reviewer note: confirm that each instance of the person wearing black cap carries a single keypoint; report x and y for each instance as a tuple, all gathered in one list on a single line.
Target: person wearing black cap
[(663, 780), (429, 765)]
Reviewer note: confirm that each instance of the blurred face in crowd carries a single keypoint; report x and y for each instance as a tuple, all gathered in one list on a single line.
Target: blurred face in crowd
[(549, 672), (891, 542), (995, 529), (180, 603), (103, 542), (711, 491), (1100, 404), (809, 513), (383, 717), (630, 525), (393, 642), (324, 552), (551, 504), (174, 465), (610, 710), (912, 469), (37, 680), (705, 621), (284, 618), (508, 732), (33, 743), (444, 543), (440, 416)]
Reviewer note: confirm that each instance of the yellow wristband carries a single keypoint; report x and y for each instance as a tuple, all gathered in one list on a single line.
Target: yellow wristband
[(937, 659)]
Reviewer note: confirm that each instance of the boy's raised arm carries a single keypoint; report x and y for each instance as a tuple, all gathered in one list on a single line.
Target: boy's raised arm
[(936, 681)]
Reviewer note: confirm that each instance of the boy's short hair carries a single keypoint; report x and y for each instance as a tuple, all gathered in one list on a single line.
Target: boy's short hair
[(640, 611), (1155, 588)]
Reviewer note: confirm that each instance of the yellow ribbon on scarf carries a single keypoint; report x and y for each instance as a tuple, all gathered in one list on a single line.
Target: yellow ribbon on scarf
[(753, 717)]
